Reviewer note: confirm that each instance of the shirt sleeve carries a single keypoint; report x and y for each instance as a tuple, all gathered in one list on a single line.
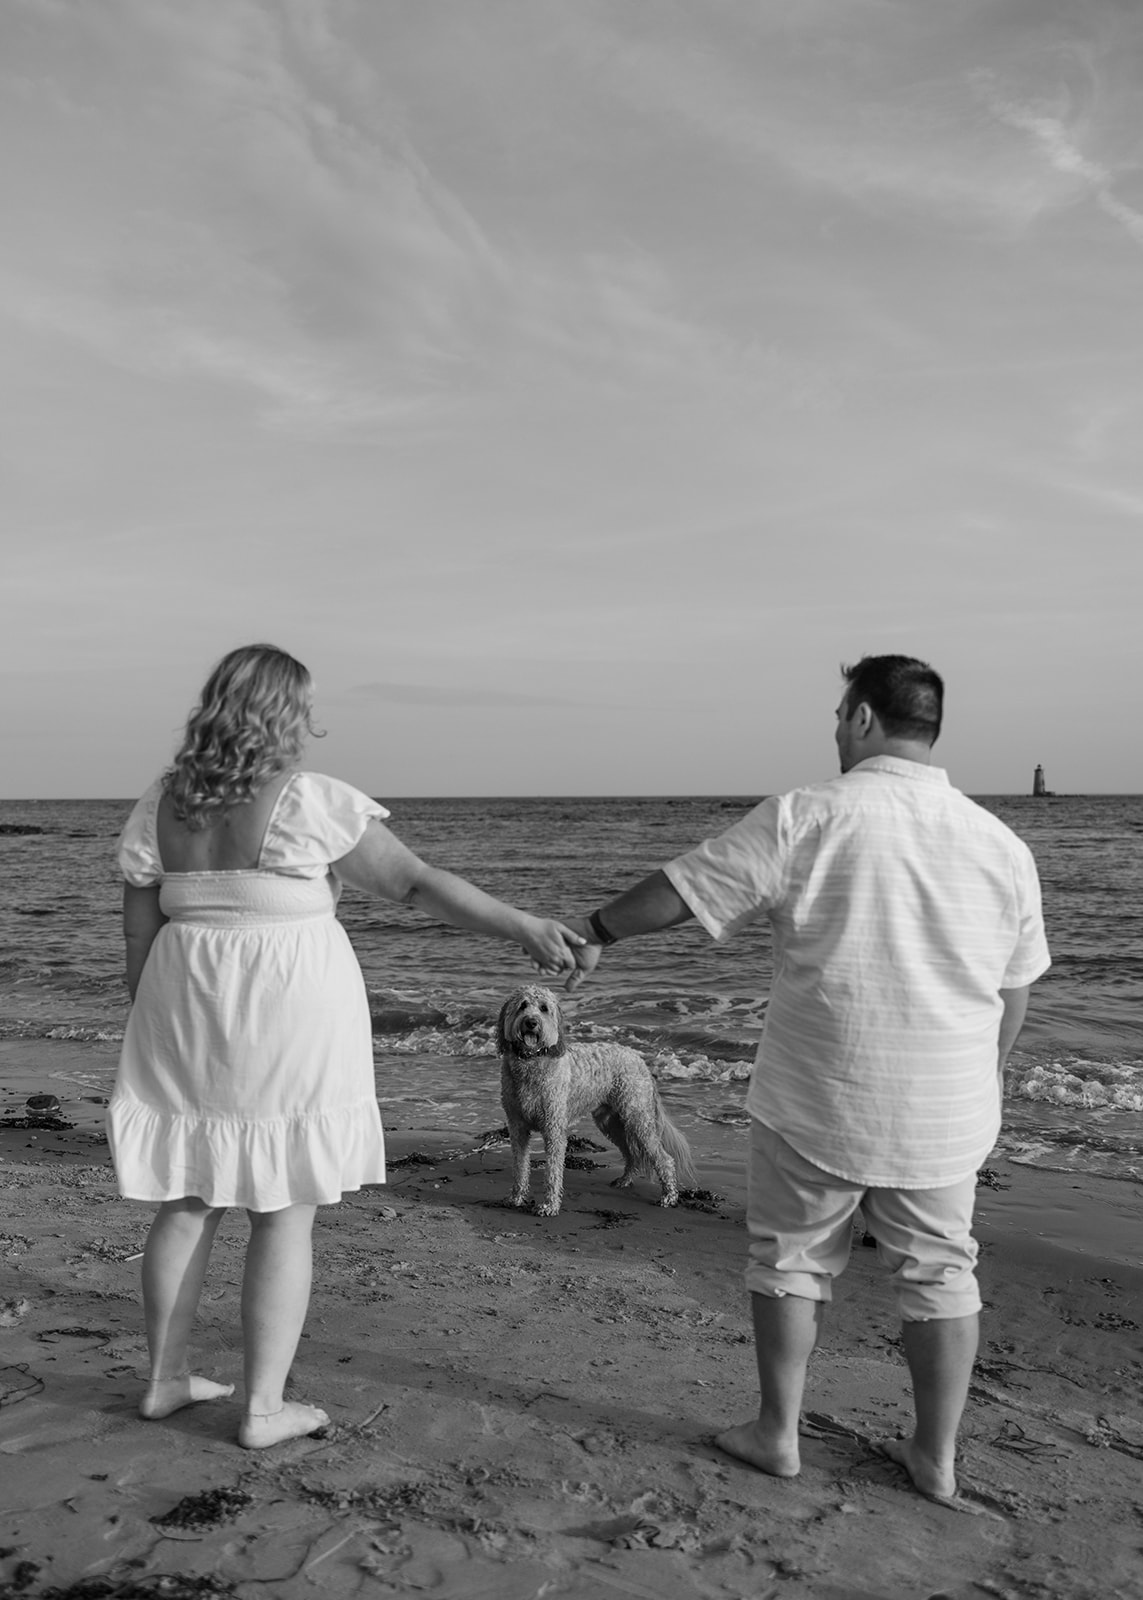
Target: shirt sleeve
[(1030, 958), (737, 876), (317, 821), (137, 851)]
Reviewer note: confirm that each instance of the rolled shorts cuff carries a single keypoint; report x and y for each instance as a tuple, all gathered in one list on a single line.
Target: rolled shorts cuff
[(774, 1283), (922, 1302)]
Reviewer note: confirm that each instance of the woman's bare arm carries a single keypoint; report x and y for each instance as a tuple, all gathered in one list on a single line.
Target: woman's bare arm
[(379, 864), (142, 920)]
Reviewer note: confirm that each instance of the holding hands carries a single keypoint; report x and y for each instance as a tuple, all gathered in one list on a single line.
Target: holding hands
[(585, 954), (577, 953), (554, 946), (647, 907)]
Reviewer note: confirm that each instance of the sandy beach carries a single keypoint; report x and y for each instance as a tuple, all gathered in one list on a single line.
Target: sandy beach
[(523, 1407)]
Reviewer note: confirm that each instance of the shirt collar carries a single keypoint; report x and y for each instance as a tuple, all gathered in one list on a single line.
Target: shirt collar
[(900, 768)]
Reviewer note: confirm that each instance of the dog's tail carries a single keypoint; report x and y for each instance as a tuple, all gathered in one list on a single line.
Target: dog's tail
[(676, 1146)]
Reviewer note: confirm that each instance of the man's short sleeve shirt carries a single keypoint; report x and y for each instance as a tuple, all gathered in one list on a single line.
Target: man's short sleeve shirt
[(899, 910)]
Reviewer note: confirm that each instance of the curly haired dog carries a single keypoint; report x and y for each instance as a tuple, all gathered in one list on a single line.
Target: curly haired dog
[(546, 1083)]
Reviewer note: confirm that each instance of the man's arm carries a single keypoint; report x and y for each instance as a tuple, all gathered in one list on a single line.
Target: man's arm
[(648, 907), (1015, 1010)]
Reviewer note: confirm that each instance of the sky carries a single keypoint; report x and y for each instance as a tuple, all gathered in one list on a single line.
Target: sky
[(572, 384)]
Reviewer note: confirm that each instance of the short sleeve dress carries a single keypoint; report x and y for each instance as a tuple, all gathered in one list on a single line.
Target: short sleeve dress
[(246, 1075)]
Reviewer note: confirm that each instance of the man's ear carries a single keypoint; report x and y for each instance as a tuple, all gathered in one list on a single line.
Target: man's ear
[(863, 719)]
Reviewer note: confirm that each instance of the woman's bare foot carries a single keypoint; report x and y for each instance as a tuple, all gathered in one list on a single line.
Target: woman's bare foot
[(165, 1395), (293, 1421), (749, 1443), (928, 1477)]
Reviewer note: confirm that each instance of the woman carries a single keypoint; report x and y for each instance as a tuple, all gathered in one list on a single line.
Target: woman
[(246, 1076)]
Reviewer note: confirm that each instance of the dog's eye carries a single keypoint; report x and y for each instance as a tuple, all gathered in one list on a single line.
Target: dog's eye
[(544, 1009)]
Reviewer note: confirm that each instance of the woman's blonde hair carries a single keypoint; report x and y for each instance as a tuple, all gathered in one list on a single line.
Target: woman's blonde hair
[(249, 725)]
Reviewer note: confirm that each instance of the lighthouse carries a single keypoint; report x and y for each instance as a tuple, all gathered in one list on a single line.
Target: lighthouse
[(1039, 787)]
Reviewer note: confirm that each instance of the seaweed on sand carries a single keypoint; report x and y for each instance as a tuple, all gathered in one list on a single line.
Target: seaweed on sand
[(701, 1200), (46, 1122), (205, 1510), (155, 1586)]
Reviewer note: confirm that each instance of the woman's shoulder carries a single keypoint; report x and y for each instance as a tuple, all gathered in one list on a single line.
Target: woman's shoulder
[(318, 819), (323, 791), (137, 851)]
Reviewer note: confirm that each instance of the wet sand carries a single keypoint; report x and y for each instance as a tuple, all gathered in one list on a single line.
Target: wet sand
[(524, 1406)]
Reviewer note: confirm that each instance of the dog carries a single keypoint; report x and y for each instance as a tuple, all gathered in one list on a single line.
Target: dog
[(546, 1083)]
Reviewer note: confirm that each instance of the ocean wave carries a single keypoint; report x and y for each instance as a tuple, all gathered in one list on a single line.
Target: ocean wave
[(686, 1055), (698, 1068), (468, 1041), (1088, 1085), (30, 1028), (443, 1041), (1078, 1155)]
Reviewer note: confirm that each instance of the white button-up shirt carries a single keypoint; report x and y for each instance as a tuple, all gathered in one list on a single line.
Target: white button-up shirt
[(899, 910)]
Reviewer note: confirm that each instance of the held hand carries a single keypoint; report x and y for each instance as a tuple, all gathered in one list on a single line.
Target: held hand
[(586, 954), (552, 945)]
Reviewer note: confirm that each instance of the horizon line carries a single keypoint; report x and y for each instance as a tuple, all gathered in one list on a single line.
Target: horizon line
[(622, 794)]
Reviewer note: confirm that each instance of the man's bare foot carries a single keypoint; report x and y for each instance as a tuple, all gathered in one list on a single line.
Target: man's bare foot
[(749, 1443), (165, 1395), (928, 1478), (293, 1421)]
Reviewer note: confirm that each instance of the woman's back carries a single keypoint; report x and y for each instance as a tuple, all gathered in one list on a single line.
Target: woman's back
[(231, 843), (246, 1074)]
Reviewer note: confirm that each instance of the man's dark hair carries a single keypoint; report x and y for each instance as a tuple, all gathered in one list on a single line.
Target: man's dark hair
[(906, 695)]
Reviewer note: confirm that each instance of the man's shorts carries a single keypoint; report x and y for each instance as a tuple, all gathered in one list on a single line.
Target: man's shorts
[(800, 1221)]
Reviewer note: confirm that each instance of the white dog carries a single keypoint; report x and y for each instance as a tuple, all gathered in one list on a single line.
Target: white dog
[(545, 1084)]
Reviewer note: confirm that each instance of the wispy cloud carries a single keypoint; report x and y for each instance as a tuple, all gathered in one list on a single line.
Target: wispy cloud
[(821, 107), (298, 388), (257, 216), (1051, 136), (1108, 497), (1099, 428)]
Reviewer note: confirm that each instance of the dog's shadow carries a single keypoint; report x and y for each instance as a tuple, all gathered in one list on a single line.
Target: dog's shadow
[(479, 1180)]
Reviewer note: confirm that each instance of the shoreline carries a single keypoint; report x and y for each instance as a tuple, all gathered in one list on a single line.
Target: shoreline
[(524, 1405), (1092, 1215)]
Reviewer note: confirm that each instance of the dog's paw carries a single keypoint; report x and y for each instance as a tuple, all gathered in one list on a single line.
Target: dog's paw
[(669, 1200), (550, 1208), (519, 1201)]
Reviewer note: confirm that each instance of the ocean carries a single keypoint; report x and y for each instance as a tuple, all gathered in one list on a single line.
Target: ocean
[(694, 1008)]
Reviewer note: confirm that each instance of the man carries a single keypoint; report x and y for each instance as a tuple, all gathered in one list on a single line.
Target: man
[(907, 930)]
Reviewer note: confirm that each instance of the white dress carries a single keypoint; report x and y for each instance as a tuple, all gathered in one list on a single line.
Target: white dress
[(246, 1076)]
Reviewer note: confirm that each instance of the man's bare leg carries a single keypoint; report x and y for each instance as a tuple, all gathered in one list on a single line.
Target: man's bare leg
[(785, 1332), (940, 1354)]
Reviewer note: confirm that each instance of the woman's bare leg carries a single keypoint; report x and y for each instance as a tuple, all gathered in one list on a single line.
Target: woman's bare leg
[(174, 1266), (275, 1297)]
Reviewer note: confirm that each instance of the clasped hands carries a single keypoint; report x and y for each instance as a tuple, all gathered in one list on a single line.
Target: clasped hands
[(569, 947)]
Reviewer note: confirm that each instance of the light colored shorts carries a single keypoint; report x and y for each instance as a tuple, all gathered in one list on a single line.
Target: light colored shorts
[(800, 1221)]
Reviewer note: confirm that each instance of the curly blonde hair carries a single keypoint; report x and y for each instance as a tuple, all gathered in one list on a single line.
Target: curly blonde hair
[(251, 722)]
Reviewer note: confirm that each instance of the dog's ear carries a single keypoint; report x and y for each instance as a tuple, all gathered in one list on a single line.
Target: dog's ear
[(560, 1047), (503, 1042)]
